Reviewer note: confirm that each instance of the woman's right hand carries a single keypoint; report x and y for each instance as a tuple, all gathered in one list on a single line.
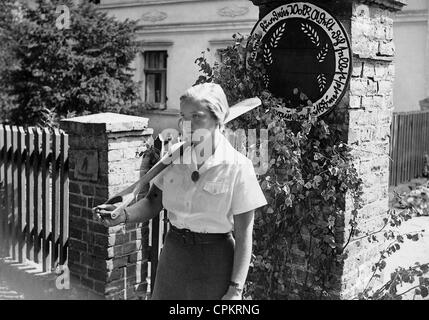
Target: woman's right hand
[(102, 213)]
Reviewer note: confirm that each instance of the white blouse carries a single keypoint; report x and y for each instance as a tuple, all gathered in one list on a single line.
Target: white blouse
[(227, 186)]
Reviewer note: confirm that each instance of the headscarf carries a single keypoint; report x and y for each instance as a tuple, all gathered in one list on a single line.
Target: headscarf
[(212, 96)]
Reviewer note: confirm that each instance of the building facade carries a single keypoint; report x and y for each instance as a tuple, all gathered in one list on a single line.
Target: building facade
[(411, 32), (173, 34)]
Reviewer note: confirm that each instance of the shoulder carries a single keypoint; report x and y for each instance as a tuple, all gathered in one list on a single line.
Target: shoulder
[(234, 156), (238, 163)]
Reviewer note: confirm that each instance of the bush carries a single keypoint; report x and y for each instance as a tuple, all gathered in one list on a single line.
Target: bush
[(70, 71)]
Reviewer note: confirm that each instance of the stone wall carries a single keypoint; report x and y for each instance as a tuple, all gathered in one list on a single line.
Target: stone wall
[(109, 261)]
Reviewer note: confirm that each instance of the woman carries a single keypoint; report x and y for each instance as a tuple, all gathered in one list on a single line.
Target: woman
[(210, 193)]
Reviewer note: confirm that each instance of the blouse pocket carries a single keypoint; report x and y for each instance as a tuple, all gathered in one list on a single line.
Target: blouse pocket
[(215, 197)]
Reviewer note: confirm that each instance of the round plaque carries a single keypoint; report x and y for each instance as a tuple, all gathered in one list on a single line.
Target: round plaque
[(307, 56)]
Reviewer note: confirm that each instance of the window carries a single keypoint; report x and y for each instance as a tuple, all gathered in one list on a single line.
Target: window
[(155, 73)]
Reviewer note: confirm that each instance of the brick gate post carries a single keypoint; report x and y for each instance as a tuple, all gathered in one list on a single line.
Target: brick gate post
[(366, 112), (106, 156)]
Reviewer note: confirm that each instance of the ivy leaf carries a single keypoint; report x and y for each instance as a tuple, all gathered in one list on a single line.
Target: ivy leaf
[(286, 189), (318, 179), (424, 292)]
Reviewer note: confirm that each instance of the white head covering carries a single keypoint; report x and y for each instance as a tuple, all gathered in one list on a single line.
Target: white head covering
[(212, 95)]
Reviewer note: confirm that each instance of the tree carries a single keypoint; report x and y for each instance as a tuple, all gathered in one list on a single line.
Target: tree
[(8, 15), (80, 68)]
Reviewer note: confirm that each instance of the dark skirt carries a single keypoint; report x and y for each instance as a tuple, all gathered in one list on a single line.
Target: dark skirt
[(193, 269)]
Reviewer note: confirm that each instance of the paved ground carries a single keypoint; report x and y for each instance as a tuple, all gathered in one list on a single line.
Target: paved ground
[(7, 292), (27, 281), (410, 252)]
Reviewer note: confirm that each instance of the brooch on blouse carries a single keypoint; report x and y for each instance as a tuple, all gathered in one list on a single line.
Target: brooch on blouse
[(195, 176)]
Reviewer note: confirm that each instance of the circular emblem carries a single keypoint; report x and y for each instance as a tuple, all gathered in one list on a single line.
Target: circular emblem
[(307, 56)]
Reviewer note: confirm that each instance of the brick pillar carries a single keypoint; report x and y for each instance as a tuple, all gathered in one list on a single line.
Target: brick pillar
[(105, 157), (366, 112)]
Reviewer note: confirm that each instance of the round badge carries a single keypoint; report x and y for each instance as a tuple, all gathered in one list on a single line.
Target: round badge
[(307, 56)]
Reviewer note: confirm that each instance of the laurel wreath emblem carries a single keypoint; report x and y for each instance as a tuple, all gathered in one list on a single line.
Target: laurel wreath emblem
[(267, 55), (311, 33), (266, 80), (321, 56), (277, 35), (321, 80), (315, 39)]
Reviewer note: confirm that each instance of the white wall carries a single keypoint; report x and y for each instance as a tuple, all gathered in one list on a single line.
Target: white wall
[(185, 29), (411, 34)]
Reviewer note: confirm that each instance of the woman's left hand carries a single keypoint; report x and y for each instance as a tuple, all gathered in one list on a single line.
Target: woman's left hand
[(232, 294)]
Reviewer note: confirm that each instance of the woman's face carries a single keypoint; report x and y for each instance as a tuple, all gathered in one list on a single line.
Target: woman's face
[(199, 116)]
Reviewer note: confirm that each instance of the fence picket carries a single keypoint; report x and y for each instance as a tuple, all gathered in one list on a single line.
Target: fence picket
[(29, 201), (395, 150), (2, 190), (64, 210), (391, 149), (21, 228), (56, 196), (408, 148), (37, 196), (8, 187), (14, 198), (401, 146), (46, 212), (412, 147)]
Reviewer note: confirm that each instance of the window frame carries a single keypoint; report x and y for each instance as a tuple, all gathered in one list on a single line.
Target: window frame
[(162, 71)]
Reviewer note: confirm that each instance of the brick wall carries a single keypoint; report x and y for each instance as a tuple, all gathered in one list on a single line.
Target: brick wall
[(109, 261), (365, 114)]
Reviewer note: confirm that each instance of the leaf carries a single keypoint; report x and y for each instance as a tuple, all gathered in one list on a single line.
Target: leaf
[(321, 56), (286, 189), (311, 33), (308, 185), (424, 292), (277, 35)]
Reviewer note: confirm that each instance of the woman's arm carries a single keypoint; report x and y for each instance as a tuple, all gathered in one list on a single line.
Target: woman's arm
[(142, 211), (146, 208), (243, 228)]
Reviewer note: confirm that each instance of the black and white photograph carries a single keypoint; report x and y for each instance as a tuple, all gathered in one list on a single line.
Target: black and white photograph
[(227, 151)]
